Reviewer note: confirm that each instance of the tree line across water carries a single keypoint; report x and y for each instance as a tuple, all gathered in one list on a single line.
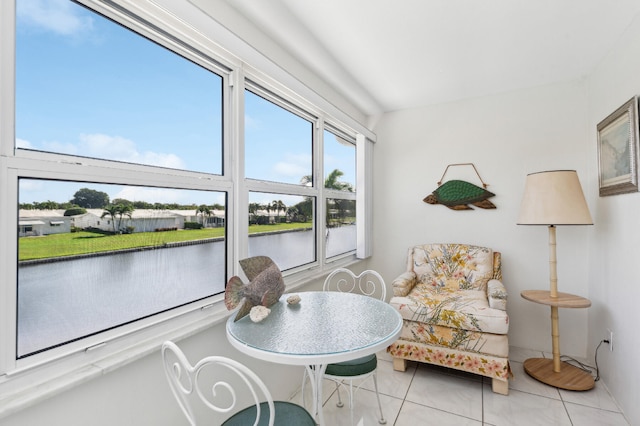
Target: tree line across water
[(92, 199), (119, 208)]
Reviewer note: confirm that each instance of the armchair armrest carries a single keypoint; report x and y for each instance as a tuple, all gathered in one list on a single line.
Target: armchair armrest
[(404, 283), (497, 295)]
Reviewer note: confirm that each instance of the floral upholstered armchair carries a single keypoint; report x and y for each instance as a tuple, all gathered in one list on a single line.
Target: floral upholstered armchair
[(454, 308)]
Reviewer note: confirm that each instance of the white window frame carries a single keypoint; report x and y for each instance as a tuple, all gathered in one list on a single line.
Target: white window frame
[(258, 185), (341, 195), (27, 381)]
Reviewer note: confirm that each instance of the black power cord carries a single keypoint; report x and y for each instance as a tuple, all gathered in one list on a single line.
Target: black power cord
[(588, 368)]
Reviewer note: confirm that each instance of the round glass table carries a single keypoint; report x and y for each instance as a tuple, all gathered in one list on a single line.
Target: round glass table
[(323, 328)]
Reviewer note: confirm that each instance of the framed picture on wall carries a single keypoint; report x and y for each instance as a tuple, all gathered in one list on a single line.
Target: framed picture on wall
[(618, 150)]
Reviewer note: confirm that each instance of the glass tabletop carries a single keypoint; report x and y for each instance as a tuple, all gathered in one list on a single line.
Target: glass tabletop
[(322, 326)]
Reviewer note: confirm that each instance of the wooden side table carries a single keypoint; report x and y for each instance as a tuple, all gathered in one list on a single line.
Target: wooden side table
[(553, 371)]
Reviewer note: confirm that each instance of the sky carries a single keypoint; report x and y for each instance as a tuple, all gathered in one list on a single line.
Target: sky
[(86, 86)]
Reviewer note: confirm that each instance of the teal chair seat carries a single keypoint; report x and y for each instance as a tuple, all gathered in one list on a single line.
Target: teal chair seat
[(356, 367), (287, 414)]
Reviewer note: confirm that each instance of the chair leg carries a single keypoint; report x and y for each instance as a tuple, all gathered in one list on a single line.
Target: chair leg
[(382, 420), (339, 403), (500, 386), (351, 395), (304, 382), (399, 364)]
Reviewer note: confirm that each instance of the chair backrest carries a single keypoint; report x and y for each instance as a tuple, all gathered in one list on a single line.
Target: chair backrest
[(461, 266), (189, 384), (368, 283)]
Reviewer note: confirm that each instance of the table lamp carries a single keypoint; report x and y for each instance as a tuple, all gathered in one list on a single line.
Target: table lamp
[(553, 198)]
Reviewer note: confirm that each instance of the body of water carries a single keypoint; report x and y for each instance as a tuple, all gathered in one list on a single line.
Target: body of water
[(62, 301)]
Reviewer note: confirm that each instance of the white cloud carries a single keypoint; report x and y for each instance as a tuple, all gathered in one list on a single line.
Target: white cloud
[(121, 149), (58, 16), (22, 143), (98, 145), (61, 147), (294, 165), (162, 160)]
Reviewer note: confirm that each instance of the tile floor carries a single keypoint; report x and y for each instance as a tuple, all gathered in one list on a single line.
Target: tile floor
[(429, 395)]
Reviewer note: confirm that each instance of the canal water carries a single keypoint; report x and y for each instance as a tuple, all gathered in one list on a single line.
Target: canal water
[(62, 301)]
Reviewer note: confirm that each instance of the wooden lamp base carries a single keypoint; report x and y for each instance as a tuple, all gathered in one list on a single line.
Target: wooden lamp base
[(569, 377)]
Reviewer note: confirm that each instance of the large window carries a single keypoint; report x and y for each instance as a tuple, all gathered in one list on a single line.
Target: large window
[(93, 256), (99, 259), (279, 146), (87, 86), (130, 191)]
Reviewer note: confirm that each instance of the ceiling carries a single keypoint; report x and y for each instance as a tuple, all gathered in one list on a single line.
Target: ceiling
[(387, 55)]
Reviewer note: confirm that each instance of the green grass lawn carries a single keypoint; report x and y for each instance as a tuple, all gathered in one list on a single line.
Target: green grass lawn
[(69, 244)]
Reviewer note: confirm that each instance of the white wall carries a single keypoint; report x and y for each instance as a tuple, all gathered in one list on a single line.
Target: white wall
[(505, 136), (614, 249)]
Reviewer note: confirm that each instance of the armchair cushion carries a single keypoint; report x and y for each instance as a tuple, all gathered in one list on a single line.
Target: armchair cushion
[(452, 266), (466, 309)]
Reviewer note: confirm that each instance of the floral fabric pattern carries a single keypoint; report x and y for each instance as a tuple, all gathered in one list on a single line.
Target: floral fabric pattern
[(489, 366), (453, 266), (455, 338)]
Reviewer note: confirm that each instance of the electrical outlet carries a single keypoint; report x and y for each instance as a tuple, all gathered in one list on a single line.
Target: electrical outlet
[(610, 339)]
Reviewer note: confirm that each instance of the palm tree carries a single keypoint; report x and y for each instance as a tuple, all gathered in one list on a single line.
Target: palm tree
[(267, 207), (277, 206), (117, 211), (332, 181), (112, 211), (124, 210), (281, 206), (203, 210)]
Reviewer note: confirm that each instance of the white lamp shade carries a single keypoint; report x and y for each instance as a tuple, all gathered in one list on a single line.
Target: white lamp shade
[(554, 198)]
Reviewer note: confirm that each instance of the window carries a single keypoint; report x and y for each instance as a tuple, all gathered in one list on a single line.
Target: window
[(339, 161), (96, 255), (282, 230), (278, 143), (339, 181), (279, 147), (341, 226), (131, 194), (86, 86), (88, 275)]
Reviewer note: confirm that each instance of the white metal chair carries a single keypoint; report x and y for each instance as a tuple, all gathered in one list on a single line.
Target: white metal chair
[(368, 283), (212, 390)]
